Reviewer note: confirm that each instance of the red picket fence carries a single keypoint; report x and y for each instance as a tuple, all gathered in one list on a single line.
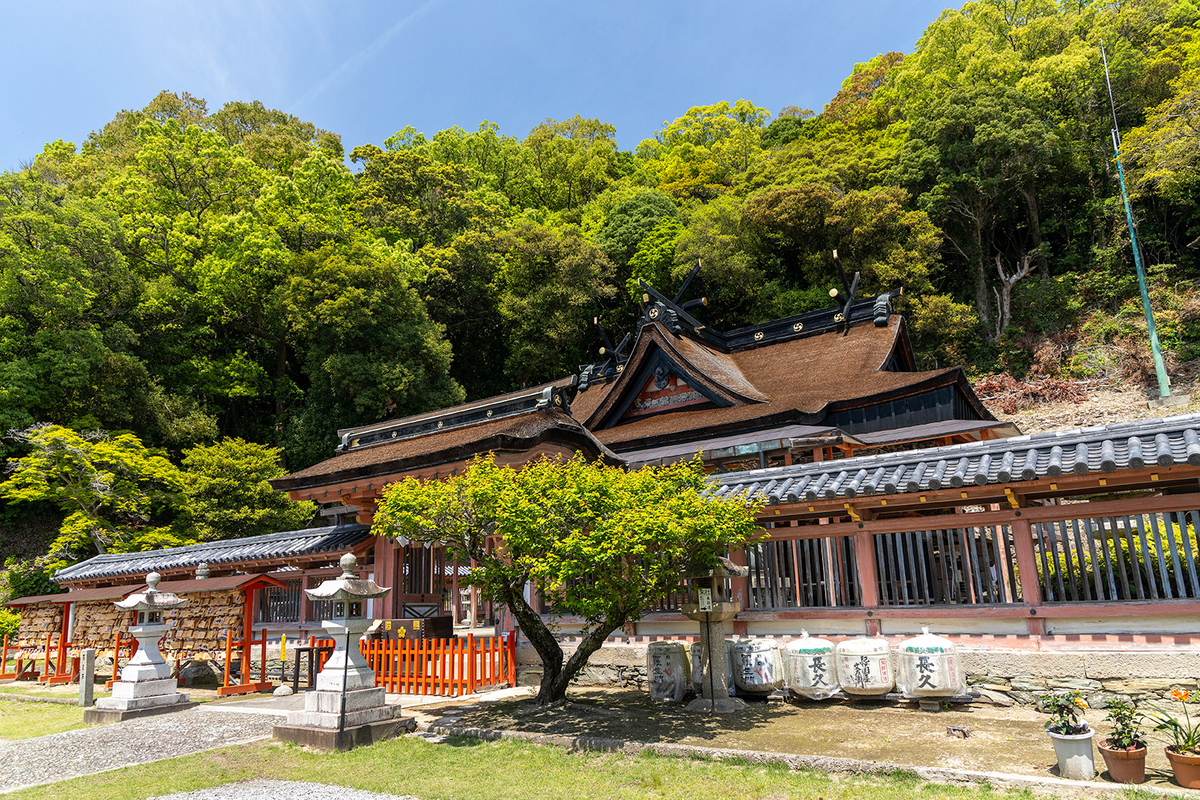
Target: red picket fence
[(64, 668), (23, 666), (247, 686), (445, 667)]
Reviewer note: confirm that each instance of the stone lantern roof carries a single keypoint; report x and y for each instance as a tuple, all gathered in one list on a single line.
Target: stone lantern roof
[(151, 599), (347, 586)]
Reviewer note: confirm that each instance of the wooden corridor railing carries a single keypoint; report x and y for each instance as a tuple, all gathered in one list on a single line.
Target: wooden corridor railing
[(444, 667)]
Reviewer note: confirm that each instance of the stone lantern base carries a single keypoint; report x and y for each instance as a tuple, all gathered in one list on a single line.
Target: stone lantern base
[(135, 707), (348, 739), (146, 686), (366, 717), (368, 720)]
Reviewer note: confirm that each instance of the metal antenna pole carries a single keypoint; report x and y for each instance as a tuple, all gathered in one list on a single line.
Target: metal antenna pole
[(1160, 368)]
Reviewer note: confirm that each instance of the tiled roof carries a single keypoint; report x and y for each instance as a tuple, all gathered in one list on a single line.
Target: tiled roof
[(289, 544), (1102, 449)]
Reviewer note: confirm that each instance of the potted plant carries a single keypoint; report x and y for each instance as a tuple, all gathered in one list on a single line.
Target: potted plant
[(1071, 735), (1184, 752), (1124, 750)]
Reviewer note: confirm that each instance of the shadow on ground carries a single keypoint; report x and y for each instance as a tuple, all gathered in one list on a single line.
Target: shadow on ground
[(1000, 739)]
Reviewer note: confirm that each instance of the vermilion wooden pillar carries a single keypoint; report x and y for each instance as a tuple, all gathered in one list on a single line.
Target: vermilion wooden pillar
[(868, 577), (1031, 590)]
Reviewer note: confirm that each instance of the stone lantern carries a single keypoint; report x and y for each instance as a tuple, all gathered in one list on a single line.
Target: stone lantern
[(712, 609), (346, 709), (146, 685)]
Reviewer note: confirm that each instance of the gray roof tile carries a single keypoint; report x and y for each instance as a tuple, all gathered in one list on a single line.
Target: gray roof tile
[(1103, 448), (288, 544)]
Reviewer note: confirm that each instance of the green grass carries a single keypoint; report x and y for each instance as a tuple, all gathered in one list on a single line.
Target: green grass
[(26, 720), (469, 768), (70, 692)]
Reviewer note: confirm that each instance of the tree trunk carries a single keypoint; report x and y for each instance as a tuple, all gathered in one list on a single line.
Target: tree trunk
[(1004, 293), (1029, 192), (543, 641), (556, 676), (590, 644), (983, 302), (280, 373)]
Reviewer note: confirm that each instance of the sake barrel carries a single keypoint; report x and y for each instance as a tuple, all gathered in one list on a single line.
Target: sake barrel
[(698, 666), (757, 666), (810, 671), (928, 667), (667, 671), (863, 667)]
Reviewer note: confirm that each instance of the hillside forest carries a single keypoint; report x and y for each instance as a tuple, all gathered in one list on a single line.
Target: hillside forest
[(194, 300)]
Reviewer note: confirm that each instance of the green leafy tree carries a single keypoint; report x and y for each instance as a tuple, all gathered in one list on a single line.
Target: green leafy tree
[(227, 496), (970, 157), (699, 154), (597, 542), (554, 284), (118, 495), (568, 163), (365, 346), (631, 220), (654, 259)]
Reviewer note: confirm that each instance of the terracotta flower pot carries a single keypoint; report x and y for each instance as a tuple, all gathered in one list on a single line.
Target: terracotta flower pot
[(1124, 766), (1186, 767)]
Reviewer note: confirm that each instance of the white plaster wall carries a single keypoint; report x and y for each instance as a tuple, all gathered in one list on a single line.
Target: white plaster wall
[(904, 627), (1128, 625), (815, 627)]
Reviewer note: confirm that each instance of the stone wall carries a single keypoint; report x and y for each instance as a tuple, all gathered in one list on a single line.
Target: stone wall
[(37, 620), (1001, 676)]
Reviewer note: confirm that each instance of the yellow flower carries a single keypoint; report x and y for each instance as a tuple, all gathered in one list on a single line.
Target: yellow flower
[(1079, 701), (1180, 695)]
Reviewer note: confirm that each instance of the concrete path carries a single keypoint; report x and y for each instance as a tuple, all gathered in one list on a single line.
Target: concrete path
[(280, 706), (59, 756)]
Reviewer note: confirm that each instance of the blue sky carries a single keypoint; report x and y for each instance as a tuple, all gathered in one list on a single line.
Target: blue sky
[(367, 69)]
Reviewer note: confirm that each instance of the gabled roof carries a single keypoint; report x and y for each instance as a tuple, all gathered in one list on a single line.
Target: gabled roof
[(800, 380), (1105, 448), (274, 546)]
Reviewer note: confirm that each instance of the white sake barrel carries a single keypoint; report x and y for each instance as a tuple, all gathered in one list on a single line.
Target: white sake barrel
[(810, 670), (863, 667), (698, 666), (928, 667), (758, 666), (667, 671)]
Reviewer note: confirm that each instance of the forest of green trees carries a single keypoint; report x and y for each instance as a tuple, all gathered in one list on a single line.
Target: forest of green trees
[(189, 275)]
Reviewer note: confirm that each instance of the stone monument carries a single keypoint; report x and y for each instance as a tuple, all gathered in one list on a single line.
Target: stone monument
[(712, 609), (346, 709), (146, 686)]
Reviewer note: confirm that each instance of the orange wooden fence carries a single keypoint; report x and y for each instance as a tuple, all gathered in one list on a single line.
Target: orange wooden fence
[(263, 685), (65, 667), (446, 667), (120, 642), (22, 666)]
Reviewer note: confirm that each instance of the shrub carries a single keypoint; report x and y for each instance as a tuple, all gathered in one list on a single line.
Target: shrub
[(1115, 553), (9, 622)]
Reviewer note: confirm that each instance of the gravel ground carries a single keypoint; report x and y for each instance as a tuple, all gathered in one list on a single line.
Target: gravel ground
[(279, 790), (102, 747)]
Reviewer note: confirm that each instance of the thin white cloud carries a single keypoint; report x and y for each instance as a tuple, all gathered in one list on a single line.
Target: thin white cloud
[(356, 62)]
